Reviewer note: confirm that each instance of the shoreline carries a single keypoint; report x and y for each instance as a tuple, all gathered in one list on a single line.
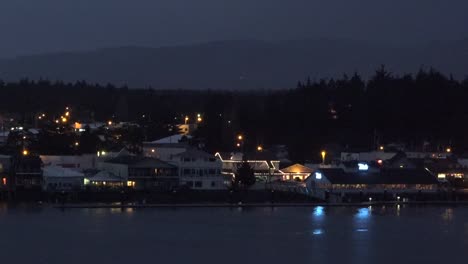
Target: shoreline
[(255, 205)]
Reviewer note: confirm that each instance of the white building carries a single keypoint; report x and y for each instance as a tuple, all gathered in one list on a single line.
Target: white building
[(200, 170), (165, 148), (62, 179)]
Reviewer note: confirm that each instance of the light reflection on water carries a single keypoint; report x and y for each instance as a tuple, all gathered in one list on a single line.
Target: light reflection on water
[(280, 235), (319, 213), (317, 232), (364, 213)]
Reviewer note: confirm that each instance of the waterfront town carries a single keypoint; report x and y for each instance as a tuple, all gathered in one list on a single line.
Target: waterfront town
[(49, 161)]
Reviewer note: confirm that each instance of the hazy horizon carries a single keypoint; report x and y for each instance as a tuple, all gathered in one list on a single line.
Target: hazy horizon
[(48, 26)]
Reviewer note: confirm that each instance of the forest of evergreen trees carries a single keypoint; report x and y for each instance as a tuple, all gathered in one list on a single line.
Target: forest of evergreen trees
[(349, 112)]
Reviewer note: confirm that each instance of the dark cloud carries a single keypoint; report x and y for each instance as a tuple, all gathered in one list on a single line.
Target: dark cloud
[(32, 26)]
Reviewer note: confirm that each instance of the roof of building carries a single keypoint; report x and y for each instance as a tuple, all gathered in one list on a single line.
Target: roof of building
[(192, 152), (385, 176), (297, 168), (105, 176), (140, 162), (55, 171), (170, 140)]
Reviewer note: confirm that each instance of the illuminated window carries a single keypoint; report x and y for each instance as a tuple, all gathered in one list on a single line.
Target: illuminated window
[(318, 175)]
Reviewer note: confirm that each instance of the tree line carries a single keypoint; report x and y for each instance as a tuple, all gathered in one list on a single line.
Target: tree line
[(427, 109)]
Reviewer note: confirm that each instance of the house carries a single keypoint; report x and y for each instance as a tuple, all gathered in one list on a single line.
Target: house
[(296, 172), (106, 180), (27, 172), (61, 179), (386, 180), (187, 129), (165, 148), (200, 170), (142, 173)]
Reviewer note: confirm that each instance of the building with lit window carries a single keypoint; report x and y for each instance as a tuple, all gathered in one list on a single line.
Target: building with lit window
[(62, 179), (106, 180), (142, 173), (296, 172), (393, 182)]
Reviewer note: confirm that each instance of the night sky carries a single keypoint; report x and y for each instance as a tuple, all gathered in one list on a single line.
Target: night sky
[(32, 26)]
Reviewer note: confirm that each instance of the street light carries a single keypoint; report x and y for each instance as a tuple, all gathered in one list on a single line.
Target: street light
[(186, 119), (323, 154), (240, 137), (381, 147), (25, 152), (448, 150), (259, 148)]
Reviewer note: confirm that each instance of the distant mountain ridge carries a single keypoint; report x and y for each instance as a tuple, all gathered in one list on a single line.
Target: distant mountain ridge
[(239, 64)]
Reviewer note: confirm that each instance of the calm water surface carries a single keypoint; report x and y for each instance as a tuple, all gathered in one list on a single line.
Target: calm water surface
[(388, 234)]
